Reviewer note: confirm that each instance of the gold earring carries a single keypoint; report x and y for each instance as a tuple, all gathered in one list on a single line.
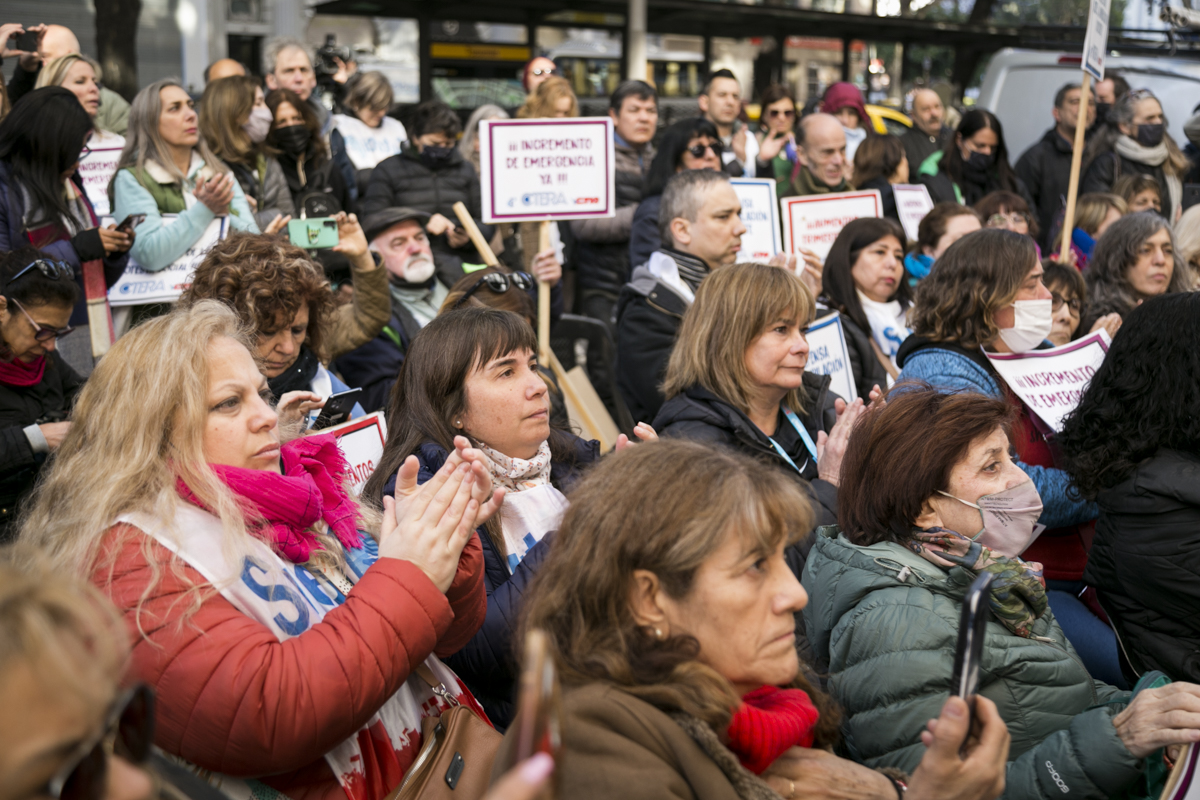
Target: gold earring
[(658, 634)]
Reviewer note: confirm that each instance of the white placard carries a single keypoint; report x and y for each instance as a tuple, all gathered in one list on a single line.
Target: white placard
[(912, 204), (1095, 45), (760, 215), (98, 167), (827, 355), (536, 169), (1051, 382), (361, 442), (138, 286), (812, 222)]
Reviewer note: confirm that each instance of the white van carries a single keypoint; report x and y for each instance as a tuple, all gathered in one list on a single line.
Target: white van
[(1019, 88)]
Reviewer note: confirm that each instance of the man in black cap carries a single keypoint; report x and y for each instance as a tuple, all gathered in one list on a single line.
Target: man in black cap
[(418, 286)]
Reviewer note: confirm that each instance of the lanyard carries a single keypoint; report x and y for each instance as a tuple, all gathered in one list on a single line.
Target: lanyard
[(808, 442)]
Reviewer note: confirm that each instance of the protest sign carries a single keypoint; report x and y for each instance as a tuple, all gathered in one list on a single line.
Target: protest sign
[(547, 169), (1051, 381), (138, 286), (827, 355), (97, 167), (814, 221), (760, 215), (912, 204), (361, 442), (1095, 44)]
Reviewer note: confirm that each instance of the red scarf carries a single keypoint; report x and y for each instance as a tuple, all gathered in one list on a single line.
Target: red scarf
[(310, 489), (18, 373), (767, 723)]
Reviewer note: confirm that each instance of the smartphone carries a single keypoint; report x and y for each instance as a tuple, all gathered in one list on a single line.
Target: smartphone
[(129, 223), (337, 409), (1191, 195), (317, 233), (538, 721), (972, 627), (25, 42)]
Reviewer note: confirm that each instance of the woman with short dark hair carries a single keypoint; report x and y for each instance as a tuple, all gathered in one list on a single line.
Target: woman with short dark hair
[(1133, 261), (864, 281), (431, 175), (930, 501), (880, 162), (1010, 212), (1133, 444), (944, 225)]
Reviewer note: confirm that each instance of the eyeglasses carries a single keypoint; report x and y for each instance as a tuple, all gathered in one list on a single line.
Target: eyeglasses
[(1057, 300), (540, 72), (780, 112), (499, 283), (40, 333), (54, 270), (128, 731), (1007, 220), (699, 150)]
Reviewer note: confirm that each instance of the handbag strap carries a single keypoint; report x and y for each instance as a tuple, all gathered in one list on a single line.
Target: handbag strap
[(439, 688)]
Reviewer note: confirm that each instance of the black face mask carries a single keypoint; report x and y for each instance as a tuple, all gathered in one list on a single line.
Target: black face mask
[(434, 156), (1102, 110), (1150, 135), (293, 139), (980, 162)]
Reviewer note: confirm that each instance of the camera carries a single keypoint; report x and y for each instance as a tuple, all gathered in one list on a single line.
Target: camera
[(326, 66)]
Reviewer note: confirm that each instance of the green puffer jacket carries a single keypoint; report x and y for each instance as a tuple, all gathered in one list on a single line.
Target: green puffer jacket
[(886, 622)]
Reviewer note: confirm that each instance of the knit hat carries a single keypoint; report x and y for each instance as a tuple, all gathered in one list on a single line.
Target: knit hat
[(844, 95)]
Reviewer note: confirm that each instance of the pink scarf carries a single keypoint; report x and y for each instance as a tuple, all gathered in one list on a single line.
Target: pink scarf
[(310, 489), (18, 373), (768, 722)]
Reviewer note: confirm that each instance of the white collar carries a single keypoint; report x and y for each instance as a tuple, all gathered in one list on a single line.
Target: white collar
[(663, 267), (159, 173)]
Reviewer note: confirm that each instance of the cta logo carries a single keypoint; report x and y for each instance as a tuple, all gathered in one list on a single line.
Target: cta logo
[(587, 201)]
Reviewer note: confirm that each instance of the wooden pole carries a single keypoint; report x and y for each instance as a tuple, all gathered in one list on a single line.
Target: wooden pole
[(543, 320), (477, 239), (1076, 160)]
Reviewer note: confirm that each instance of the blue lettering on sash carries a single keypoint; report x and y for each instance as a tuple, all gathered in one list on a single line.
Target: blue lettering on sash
[(278, 593), (514, 559), (359, 558), (319, 588)]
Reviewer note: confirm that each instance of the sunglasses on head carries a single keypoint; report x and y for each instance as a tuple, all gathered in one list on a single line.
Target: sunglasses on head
[(54, 270), (499, 283), (128, 732), (698, 150)]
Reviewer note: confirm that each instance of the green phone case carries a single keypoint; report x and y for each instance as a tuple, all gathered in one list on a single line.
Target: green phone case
[(317, 233)]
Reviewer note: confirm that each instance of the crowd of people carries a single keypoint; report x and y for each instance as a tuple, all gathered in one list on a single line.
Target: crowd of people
[(755, 594)]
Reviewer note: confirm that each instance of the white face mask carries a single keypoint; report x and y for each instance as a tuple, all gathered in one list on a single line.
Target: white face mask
[(1032, 323), (259, 124)]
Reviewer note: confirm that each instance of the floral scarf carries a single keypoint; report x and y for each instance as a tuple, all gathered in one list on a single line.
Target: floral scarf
[(518, 474), (1018, 594)]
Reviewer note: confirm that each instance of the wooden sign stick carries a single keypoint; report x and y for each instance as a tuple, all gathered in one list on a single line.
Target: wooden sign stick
[(543, 320), (1076, 161), (477, 239)]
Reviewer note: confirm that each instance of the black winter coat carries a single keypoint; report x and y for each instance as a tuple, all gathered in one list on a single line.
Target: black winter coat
[(649, 313), (1145, 563), (942, 188), (405, 180), (886, 196), (1045, 169), (699, 415), (20, 406), (488, 665), (1102, 173), (865, 367)]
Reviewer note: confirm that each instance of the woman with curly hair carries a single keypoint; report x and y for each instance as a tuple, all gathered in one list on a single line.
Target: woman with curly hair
[(281, 294), (987, 294), (1133, 261), (1134, 446), (552, 98)]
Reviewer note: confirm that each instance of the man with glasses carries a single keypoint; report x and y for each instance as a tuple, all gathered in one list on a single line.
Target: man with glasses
[(1045, 167)]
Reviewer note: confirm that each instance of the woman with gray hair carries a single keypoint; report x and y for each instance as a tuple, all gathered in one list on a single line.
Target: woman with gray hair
[(1133, 261), (168, 168), (366, 134), (469, 144), (1135, 141)]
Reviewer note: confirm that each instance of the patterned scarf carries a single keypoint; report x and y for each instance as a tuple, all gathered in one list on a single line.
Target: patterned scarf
[(1018, 594), (518, 474)]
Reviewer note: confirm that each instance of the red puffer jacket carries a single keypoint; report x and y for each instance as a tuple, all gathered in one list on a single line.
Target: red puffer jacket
[(234, 699)]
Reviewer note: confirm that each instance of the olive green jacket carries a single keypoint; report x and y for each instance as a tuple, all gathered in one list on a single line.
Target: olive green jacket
[(886, 620)]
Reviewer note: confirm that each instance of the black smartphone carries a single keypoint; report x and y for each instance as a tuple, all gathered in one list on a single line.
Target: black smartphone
[(972, 627), (129, 223), (26, 42), (337, 409), (1191, 195)]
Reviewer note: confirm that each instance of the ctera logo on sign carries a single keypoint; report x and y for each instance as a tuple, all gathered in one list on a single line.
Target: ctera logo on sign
[(543, 199)]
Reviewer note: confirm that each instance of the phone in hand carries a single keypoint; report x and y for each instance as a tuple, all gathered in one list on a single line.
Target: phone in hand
[(314, 234), (26, 42), (129, 223), (972, 627), (538, 720), (337, 409)]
